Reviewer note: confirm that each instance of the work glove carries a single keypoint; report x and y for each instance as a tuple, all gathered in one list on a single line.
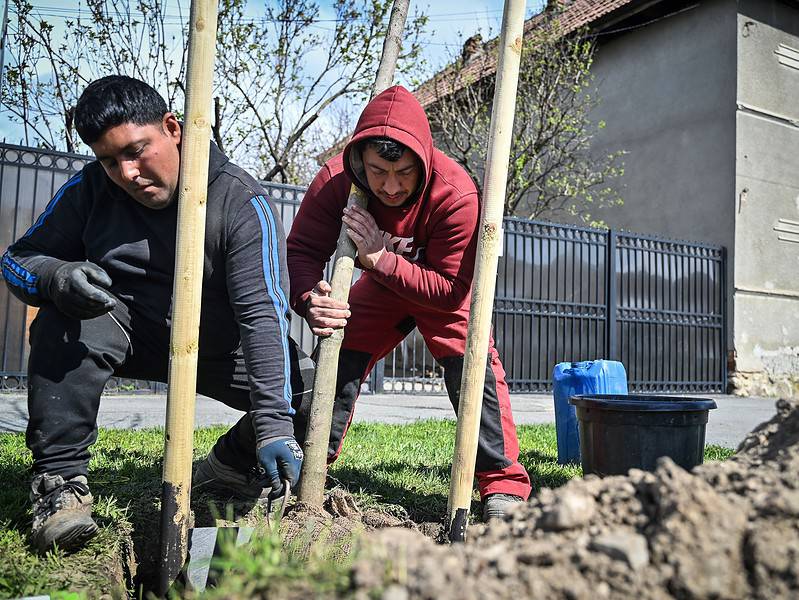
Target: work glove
[(76, 289), (281, 460)]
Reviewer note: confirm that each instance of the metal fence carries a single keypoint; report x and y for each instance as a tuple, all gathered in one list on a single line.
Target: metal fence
[(563, 293), (28, 180), (571, 293)]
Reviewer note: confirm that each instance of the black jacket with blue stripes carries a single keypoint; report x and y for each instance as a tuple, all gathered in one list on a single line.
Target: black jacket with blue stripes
[(245, 280)]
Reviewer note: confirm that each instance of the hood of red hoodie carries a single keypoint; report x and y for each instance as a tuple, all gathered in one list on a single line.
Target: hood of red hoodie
[(396, 114)]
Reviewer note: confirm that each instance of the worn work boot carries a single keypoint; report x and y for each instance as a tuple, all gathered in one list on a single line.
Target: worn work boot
[(214, 477), (62, 512), (497, 506)]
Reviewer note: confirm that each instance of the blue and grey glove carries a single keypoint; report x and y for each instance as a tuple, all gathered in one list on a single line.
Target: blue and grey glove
[(77, 290), (281, 459)]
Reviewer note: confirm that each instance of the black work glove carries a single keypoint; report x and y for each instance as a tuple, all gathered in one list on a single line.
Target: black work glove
[(281, 459), (74, 290)]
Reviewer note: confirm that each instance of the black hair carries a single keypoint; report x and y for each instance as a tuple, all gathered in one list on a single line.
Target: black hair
[(115, 100), (386, 148)]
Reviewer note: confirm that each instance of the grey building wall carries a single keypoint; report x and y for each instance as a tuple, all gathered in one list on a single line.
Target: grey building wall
[(766, 317), (668, 98)]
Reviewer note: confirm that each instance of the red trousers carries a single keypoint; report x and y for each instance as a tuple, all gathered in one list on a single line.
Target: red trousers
[(380, 320)]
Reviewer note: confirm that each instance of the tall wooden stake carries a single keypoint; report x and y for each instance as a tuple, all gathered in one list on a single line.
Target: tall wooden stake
[(314, 468), (483, 286), (187, 291)]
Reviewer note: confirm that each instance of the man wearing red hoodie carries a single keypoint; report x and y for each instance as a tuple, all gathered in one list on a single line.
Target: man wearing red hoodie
[(416, 245)]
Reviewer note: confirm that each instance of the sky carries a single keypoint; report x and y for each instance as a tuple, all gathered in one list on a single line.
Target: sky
[(450, 22)]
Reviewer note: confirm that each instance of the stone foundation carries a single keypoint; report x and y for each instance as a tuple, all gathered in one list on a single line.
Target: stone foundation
[(762, 383)]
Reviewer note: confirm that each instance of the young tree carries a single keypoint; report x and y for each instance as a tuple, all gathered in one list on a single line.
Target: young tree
[(281, 67), (276, 76), (552, 169)]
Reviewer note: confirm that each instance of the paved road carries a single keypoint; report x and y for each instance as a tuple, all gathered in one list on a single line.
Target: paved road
[(727, 425)]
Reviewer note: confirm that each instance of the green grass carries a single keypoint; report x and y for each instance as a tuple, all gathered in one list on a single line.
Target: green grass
[(714, 452), (264, 568), (402, 469), (410, 465)]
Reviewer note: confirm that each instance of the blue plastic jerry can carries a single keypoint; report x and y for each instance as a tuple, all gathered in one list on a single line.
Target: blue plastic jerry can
[(584, 377)]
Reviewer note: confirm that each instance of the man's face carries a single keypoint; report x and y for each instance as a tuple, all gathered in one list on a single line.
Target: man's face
[(392, 182), (144, 160)]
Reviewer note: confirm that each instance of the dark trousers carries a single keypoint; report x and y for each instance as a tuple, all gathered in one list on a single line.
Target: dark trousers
[(72, 360)]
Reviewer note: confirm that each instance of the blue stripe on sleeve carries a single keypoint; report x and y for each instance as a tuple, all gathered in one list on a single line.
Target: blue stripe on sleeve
[(18, 276), (51, 206), (19, 283), (14, 273), (271, 266)]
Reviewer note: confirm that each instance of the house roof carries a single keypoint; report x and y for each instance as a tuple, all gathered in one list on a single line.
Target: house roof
[(337, 148), (576, 14)]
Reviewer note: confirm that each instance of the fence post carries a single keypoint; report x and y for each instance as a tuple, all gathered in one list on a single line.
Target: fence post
[(611, 341), (723, 306), (377, 376)]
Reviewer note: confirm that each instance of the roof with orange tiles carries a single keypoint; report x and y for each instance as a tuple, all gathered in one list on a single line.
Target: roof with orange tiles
[(576, 14)]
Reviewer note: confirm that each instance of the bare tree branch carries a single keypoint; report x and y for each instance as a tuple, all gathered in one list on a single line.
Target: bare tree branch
[(552, 169), (277, 76), (45, 76)]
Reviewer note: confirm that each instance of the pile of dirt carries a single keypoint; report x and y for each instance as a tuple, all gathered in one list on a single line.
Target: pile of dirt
[(725, 530)]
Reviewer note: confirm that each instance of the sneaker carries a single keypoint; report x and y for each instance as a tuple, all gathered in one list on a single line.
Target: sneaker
[(214, 477), (62, 512), (497, 506)]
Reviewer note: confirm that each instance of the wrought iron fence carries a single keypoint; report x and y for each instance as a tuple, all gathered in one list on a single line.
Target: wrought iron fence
[(563, 293), (669, 325), (571, 293), (28, 179), (550, 301)]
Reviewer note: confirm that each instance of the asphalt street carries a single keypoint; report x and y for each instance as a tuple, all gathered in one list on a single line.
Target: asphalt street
[(727, 425)]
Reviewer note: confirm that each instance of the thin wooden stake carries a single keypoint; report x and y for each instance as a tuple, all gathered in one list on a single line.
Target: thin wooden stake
[(483, 286), (314, 468), (187, 291)]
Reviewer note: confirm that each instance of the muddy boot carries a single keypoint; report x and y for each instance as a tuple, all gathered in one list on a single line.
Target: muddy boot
[(62, 512), (496, 506), (211, 476)]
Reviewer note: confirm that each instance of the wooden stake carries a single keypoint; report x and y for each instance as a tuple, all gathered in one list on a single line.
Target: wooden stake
[(187, 291), (314, 468), (483, 286)]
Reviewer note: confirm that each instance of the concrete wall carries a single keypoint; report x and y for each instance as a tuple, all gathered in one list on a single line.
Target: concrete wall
[(668, 98), (766, 323)]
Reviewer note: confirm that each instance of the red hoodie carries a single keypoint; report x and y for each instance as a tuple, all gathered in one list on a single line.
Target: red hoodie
[(431, 240)]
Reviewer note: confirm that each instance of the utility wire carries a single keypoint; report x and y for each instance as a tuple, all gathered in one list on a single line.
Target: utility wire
[(61, 12)]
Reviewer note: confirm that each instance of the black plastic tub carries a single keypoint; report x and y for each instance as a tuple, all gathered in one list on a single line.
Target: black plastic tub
[(621, 432)]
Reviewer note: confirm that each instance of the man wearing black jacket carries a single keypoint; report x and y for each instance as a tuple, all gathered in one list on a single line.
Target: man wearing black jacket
[(99, 262)]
